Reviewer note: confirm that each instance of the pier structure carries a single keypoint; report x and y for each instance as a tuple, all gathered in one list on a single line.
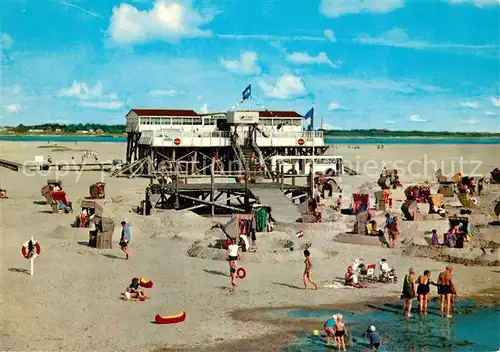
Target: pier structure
[(161, 140)]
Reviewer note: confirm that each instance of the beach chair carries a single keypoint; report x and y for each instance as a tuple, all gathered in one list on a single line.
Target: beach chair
[(466, 201), (60, 196)]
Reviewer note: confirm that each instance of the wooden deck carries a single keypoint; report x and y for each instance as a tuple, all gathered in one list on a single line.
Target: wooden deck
[(104, 166), (227, 187), (12, 165)]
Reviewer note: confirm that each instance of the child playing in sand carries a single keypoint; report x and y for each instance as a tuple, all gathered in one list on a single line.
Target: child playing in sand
[(134, 292), (308, 270)]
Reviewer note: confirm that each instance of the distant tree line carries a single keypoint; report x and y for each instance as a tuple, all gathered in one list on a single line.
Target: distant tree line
[(71, 128), (389, 133), (119, 129)]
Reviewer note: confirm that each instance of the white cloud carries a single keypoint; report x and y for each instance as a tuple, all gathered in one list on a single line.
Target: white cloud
[(301, 58), (337, 8), (92, 97), (495, 101), (334, 106), (329, 127), (330, 35), (6, 41), (389, 122), (287, 86), (204, 108), (397, 37), (102, 105), (165, 21), (470, 104), (11, 90), (164, 93), (470, 121), (402, 86), (13, 108), (478, 3), (81, 90), (271, 37), (417, 118), (247, 64), (490, 113)]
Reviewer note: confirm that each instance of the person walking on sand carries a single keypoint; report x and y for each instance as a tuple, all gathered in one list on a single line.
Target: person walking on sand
[(308, 270), (393, 232), (408, 293), (232, 258), (424, 282), (340, 332), (446, 287), (330, 328), (125, 238)]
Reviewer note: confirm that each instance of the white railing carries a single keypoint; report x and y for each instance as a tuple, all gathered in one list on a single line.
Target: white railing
[(307, 135)]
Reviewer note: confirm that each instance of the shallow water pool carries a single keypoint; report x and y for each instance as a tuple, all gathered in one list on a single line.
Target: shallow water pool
[(472, 329)]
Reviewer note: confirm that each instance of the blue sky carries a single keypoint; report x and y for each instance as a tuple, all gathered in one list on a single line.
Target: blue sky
[(397, 64)]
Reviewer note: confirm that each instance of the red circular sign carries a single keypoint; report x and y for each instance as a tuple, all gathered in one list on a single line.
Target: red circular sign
[(24, 249), (301, 141), (177, 141)]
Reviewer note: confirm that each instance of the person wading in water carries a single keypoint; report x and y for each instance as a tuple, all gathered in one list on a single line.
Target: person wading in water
[(408, 293), (445, 286), (423, 289)]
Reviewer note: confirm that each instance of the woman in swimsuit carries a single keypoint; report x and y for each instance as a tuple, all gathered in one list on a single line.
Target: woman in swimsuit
[(340, 331), (424, 282), (408, 293), (308, 270), (232, 258)]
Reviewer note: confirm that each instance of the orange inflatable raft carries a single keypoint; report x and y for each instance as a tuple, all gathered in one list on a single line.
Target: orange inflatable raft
[(170, 319)]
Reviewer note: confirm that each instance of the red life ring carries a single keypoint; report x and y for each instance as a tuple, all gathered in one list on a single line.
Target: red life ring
[(300, 141), (24, 249), (177, 141), (241, 273)]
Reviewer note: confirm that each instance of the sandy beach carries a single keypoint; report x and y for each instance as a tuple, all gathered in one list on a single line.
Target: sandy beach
[(73, 301)]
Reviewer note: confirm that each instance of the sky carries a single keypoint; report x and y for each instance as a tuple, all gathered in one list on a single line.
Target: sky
[(395, 64)]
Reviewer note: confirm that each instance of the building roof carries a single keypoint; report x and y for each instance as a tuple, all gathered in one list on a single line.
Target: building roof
[(164, 112), (192, 113), (268, 113)]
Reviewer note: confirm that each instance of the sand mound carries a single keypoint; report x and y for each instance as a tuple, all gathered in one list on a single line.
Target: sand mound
[(466, 256), (177, 225), (273, 247), (360, 239), (61, 232)]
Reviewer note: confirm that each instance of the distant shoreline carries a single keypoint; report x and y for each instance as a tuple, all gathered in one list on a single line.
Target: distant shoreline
[(332, 136)]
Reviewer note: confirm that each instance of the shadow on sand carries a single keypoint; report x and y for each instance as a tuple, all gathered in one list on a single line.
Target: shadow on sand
[(288, 285), (215, 272), (19, 270), (111, 256)]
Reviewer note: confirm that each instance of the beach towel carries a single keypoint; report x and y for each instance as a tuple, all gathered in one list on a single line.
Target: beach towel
[(126, 230)]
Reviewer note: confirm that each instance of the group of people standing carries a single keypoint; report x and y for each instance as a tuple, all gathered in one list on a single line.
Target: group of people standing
[(445, 288)]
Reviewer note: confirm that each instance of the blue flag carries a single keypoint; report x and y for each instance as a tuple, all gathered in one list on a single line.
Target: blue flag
[(309, 119), (247, 93)]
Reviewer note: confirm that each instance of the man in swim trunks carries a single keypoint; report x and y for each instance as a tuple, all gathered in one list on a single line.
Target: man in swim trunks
[(445, 286), (340, 332)]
